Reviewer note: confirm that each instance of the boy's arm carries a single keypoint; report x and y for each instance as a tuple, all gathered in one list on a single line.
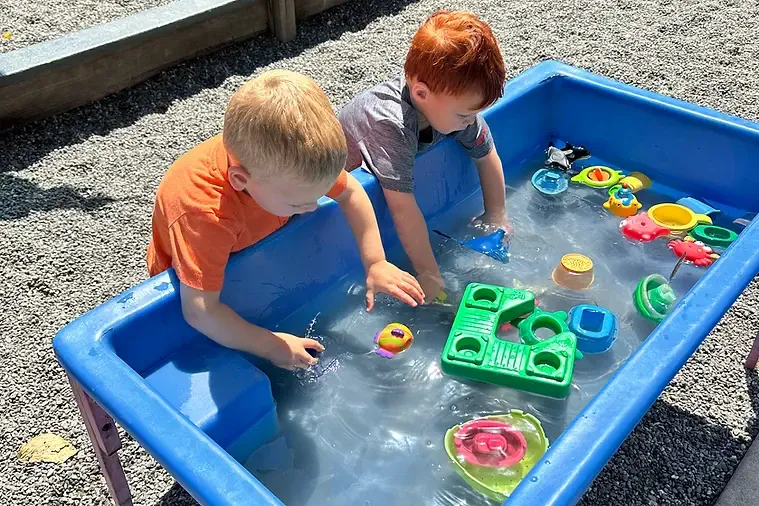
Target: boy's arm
[(412, 232), (490, 171), (200, 245), (204, 312), (382, 276), (478, 142), (389, 153)]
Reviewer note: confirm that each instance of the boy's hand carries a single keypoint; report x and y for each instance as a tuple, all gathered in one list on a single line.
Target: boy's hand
[(206, 314), (432, 284), (496, 220), (290, 352), (386, 278), (490, 170)]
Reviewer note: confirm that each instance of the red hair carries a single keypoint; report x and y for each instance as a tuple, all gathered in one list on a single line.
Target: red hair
[(455, 52)]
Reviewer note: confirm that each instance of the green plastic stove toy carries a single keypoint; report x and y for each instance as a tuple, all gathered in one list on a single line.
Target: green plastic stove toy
[(474, 352)]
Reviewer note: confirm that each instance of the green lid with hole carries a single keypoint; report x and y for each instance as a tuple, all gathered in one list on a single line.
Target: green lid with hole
[(556, 322), (473, 351), (714, 236)]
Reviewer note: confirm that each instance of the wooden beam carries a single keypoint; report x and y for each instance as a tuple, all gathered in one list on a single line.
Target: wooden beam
[(282, 19), (54, 76), (61, 74), (106, 443)]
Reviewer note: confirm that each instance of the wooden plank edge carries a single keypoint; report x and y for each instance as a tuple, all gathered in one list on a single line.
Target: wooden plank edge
[(59, 75)]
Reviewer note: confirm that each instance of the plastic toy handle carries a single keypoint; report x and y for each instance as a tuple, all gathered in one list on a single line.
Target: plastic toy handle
[(438, 232), (485, 443)]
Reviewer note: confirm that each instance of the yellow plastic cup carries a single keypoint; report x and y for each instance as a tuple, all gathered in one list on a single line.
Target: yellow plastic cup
[(678, 219)]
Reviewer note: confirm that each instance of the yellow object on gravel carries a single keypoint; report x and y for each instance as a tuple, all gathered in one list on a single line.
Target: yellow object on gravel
[(47, 447)]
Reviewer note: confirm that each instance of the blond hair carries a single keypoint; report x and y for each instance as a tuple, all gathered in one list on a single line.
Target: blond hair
[(281, 124)]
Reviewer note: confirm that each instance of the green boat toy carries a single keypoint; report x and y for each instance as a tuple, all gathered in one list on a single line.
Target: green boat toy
[(718, 238), (654, 298), (598, 176), (494, 453)]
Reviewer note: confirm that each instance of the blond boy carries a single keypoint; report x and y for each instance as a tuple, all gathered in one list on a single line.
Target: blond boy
[(282, 148)]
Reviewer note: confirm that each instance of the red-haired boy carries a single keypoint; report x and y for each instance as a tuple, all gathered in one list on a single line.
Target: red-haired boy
[(454, 69)]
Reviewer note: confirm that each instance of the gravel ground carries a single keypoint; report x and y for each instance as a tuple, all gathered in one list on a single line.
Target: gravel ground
[(77, 192), (33, 21)]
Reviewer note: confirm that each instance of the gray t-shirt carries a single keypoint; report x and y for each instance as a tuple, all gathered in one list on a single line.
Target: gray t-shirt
[(382, 129)]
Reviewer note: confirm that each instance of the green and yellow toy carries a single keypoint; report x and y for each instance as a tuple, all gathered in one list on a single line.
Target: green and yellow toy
[(598, 176), (623, 203), (494, 453)]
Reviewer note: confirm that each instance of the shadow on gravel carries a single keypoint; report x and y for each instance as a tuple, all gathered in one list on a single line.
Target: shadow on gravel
[(24, 145), (177, 496), (672, 457), (20, 197)]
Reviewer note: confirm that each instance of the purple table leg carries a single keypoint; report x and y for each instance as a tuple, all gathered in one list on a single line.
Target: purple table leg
[(106, 443), (753, 355)]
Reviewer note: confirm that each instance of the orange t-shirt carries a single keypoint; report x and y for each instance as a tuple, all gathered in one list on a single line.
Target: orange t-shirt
[(199, 219)]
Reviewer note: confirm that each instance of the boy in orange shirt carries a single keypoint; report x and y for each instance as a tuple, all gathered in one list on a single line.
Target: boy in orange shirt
[(282, 148), (453, 71)]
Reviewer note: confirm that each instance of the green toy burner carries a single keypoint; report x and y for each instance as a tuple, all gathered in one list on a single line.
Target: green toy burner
[(474, 352)]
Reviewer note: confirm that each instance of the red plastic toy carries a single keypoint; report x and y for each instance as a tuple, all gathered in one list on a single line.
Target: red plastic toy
[(696, 252), (641, 228)]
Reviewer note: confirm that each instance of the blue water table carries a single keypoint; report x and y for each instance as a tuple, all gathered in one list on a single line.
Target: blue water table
[(111, 351), (595, 327)]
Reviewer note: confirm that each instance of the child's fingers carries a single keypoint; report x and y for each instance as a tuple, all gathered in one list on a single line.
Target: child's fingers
[(399, 294), (408, 278), (303, 360), (312, 344), (369, 299), (414, 291)]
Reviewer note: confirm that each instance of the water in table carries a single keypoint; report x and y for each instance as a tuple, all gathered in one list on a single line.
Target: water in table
[(365, 430)]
